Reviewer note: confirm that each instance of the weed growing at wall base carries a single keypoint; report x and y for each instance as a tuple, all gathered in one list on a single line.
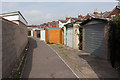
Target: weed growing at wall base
[(80, 37), (62, 48)]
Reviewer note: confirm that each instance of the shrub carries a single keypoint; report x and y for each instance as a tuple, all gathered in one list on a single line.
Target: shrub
[(80, 37), (114, 40)]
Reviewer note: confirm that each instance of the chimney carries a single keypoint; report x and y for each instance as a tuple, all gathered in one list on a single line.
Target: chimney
[(101, 13), (53, 21), (67, 18), (80, 16), (95, 12)]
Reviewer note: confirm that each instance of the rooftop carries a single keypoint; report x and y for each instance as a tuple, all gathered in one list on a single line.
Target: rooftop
[(13, 13)]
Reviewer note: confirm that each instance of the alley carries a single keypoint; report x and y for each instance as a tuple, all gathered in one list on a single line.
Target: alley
[(42, 62)]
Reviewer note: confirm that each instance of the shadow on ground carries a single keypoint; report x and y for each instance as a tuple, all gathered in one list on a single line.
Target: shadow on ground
[(101, 67), (28, 65)]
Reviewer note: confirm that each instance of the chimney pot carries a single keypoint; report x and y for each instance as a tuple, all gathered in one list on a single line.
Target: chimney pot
[(80, 16), (67, 18), (53, 21), (96, 12)]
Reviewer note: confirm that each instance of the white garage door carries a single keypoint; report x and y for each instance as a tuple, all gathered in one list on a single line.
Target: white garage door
[(42, 35), (70, 37)]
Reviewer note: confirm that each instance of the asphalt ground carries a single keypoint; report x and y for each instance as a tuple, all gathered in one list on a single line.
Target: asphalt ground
[(43, 62)]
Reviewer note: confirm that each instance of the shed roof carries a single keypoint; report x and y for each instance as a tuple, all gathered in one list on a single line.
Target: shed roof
[(69, 25), (90, 19)]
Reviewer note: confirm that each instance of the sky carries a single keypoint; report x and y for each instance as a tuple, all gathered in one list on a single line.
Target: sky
[(41, 12), (58, 0)]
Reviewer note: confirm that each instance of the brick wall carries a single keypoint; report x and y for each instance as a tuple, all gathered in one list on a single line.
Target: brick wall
[(106, 37), (83, 37), (14, 40), (116, 12)]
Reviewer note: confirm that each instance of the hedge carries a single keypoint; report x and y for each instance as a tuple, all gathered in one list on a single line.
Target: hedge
[(114, 40)]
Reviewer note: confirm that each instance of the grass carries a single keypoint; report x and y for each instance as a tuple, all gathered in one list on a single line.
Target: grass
[(66, 55), (18, 73), (62, 48), (76, 66), (57, 44), (23, 63)]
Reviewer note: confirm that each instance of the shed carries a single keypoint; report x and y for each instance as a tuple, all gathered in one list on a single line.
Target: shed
[(95, 37)]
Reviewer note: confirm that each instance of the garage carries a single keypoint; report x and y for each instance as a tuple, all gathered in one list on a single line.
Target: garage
[(95, 37), (53, 35), (38, 33)]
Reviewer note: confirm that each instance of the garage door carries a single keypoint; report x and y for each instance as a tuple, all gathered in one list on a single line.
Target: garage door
[(43, 35), (94, 39), (70, 37)]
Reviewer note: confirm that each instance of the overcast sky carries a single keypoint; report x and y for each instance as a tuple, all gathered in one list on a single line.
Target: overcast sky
[(58, 0), (40, 12)]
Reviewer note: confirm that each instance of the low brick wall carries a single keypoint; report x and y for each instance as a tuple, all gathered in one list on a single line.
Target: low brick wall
[(14, 40)]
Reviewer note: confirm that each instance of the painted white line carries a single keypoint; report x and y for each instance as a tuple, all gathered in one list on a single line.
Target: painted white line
[(64, 62)]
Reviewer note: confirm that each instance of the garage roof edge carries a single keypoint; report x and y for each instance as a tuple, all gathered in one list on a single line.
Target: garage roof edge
[(90, 19)]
